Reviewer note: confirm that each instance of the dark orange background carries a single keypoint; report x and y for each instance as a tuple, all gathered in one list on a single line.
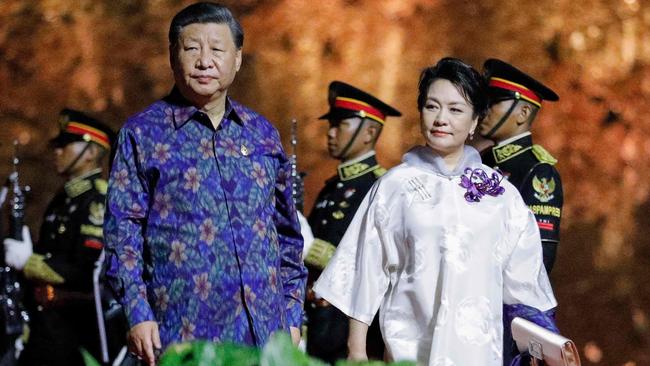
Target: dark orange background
[(110, 57)]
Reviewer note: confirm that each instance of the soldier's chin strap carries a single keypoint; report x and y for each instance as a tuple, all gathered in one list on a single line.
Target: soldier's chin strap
[(503, 119), (354, 137), (76, 159)]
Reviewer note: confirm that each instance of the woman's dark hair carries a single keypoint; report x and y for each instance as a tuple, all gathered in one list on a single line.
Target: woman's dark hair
[(205, 13), (470, 83)]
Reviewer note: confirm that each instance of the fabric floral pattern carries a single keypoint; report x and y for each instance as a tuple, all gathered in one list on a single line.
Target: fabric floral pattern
[(201, 230)]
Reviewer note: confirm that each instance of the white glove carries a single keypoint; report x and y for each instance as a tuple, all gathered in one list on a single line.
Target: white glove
[(17, 252), (307, 235)]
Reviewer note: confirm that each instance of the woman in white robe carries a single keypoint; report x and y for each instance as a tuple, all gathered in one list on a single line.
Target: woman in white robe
[(440, 243)]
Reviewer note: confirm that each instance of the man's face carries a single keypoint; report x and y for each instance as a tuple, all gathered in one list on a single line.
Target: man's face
[(205, 61), (339, 135), (495, 113), (65, 155)]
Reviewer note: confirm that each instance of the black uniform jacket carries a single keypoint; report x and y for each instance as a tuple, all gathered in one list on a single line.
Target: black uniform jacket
[(532, 170), (338, 201), (71, 235)]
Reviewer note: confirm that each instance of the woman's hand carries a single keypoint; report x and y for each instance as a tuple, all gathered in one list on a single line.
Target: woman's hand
[(357, 356), (357, 341)]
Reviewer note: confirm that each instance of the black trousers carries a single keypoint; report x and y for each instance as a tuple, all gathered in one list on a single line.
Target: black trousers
[(327, 335)]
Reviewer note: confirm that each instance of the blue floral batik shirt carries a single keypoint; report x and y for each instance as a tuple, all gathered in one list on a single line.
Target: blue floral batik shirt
[(201, 230)]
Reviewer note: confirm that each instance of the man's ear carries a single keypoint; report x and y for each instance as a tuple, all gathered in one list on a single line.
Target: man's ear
[(92, 153), (372, 133), (523, 115), (238, 60), (172, 56)]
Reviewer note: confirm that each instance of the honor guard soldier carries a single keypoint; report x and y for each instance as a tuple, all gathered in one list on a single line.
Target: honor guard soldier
[(515, 100), (59, 268), (356, 119)]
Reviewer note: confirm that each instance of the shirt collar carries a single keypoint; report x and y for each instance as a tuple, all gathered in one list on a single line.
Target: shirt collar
[(512, 139), (183, 111), (512, 147), (78, 185), (358, 166), (425, 158)]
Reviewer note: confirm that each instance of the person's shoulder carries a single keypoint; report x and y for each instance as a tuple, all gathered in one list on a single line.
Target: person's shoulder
[(259, 126), (248, 115), (152, 115), (101, 186), (393, 179), (542, 155), (545, 169), (510, 190)]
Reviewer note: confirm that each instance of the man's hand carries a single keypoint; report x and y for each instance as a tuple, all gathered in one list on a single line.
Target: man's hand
[(17, 252), (143, 338), (295, 335)]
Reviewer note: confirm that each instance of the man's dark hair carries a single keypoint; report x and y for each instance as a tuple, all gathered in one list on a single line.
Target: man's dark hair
[(470, 83), (205, 12)]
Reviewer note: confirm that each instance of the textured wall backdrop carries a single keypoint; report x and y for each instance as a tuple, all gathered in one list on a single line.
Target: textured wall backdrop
[(110, 57)]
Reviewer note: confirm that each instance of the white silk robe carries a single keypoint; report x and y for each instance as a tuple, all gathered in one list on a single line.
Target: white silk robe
[(439, 267)]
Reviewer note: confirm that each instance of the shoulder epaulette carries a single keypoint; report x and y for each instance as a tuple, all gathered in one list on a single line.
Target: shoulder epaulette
[(101, 185), (542, 155), (379, 172)]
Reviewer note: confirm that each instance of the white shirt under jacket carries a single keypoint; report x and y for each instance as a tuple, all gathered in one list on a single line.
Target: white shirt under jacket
[(440, 267)]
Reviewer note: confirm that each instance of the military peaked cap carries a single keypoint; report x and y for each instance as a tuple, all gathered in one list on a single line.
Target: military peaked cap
[(78, 126), (347, 101), (508, 82)]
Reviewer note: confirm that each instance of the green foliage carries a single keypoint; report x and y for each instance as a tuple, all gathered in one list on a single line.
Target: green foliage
[(374, 363), (88, 359), (203, 353), (279, 351)]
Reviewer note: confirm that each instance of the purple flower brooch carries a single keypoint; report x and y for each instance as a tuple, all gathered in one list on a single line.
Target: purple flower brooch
[(478, 184)]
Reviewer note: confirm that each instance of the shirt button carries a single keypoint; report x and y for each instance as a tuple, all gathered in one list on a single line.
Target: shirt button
[(244, 150)]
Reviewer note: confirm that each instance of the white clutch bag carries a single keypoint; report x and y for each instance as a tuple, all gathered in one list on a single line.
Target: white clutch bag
[(543, 344)]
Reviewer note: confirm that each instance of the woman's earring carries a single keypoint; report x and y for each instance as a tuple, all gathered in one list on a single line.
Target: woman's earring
[(471, 135)]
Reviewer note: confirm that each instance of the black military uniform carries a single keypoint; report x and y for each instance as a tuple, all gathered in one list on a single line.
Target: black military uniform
[(532, 170), (529, 167), (60, 272), (337, 202)]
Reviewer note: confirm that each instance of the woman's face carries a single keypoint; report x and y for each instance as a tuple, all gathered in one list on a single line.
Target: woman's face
[(447, 118)]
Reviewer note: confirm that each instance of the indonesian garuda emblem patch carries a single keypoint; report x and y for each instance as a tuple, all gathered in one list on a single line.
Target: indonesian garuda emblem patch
[(544, 188)]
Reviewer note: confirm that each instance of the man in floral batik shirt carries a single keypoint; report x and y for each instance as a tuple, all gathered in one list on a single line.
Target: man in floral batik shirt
[(202, 237)]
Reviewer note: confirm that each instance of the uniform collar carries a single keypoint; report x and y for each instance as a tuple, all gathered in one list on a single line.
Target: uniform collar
[(514, 146), (183, 111), (425, 158), (81, 184), (357, 167)]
